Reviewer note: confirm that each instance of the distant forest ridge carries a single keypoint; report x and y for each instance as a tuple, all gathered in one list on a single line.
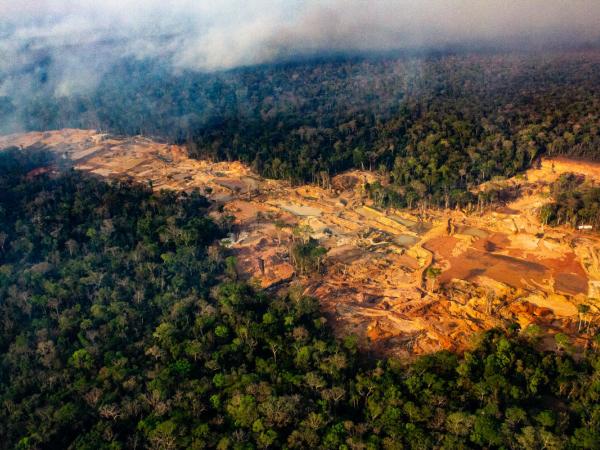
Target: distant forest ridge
[(434, 125)]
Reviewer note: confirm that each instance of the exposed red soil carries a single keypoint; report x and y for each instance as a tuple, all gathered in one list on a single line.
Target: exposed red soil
[(375, 282), (492, 257)]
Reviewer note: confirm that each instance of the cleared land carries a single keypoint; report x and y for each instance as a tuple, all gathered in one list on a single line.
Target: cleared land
[(496, 265)]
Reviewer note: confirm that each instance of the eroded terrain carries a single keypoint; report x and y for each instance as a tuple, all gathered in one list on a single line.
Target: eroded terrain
[(497, 266)]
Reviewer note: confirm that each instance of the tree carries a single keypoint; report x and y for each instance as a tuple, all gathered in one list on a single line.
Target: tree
[(582, 310), (562, 342), (279, 226), (307, 256), (432, 274)]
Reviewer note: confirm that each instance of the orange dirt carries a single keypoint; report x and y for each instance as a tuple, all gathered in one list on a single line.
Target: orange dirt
[(498, 265), (494, 258)]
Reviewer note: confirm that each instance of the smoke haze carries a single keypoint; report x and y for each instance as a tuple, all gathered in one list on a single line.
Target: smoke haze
[(207, 35)]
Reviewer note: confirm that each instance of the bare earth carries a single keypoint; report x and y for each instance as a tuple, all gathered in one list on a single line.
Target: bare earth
[(497, 266)]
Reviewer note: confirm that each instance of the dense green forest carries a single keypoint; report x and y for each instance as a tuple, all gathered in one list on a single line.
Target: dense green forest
[(434, 125), (574, 202), (120, 327)]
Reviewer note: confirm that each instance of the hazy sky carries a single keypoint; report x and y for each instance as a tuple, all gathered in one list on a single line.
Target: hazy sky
[(217, 34)]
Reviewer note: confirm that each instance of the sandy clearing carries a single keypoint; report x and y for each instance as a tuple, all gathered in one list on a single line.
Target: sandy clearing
[(374, 283)]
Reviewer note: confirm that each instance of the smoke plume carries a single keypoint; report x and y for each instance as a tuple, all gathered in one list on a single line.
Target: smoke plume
[(205, 35)]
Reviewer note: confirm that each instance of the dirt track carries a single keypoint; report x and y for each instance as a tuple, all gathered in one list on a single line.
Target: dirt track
[(497, 266)]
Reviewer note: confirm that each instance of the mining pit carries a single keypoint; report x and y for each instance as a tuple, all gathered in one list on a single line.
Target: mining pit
[(497, 266)]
